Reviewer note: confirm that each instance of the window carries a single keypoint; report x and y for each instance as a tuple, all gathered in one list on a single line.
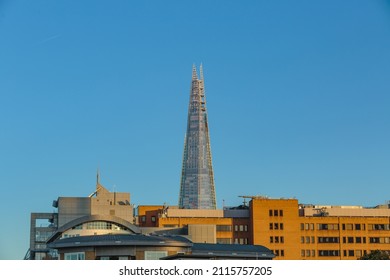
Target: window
[(74, 256), (306, 226), (153, 219), (155, 255), (358, 253), (351, 253), (358, 240), (271, 239), (312, 239), (276, 213), (364, 239), (281, 213), (302, 239), (302, 226), (245, 227), (328, 253), (350, 239), (308, 253), (349, 226), (313, 253), (225, 228), (78, 227), (281, 226), (302, 253), (333, 226), (276, 226), (41, 236), (311, 226), (271, 226), (307, 239), (344, 239), (241, 228), (277, 253), (270, 213), (281, 239), (322, 226), (223, 241), (276, 239), (282, 253), (328, 240), (378, 227), (357, 227), (236, 228), (143, 219)]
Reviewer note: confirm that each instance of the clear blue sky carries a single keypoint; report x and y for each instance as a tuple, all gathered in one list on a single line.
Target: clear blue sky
[(298, 97)]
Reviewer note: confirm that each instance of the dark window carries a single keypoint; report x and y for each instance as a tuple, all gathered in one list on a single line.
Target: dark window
[(275, 213), (281, 225), (281, 213), (270, 213), (357, 227), (271, 226)]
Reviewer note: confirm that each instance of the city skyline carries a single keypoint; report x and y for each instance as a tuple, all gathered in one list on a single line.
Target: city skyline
[(299, 95)]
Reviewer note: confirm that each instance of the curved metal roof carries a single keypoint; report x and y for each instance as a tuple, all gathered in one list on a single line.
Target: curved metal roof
[(93, 218), (120, 240)]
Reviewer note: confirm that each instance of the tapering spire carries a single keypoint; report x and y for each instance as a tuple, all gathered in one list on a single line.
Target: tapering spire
[(197, 190), (194, 74)]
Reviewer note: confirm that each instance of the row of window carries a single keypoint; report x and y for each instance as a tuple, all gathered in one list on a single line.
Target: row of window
[(241, 241), (275, 213), (328, 240), (378, 227), (240, 227), (310, 226), (381, 240), (332, 253), (223, 228), (278, 253), (104, 225), (307, 239), (276, 226), (354, 253), (349, 239), (276, 239), (357, 239)]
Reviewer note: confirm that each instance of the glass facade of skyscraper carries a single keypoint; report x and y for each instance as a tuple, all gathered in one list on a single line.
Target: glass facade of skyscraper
[(197, 190)]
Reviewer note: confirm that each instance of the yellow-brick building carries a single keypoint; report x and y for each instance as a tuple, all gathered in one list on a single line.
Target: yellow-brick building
[(291, 230)]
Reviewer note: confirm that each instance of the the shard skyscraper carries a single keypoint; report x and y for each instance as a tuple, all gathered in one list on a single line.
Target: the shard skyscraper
[(197, 190)]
